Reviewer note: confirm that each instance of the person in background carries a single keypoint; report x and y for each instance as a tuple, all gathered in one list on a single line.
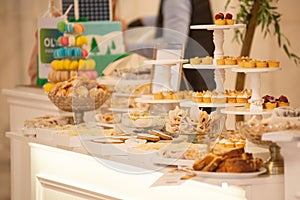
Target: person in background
[(179, 15)]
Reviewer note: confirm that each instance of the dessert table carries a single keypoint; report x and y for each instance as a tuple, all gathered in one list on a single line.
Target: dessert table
[(42, 170)]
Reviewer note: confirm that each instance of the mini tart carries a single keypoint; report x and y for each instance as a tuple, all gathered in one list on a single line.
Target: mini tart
[(220, 61), (220, 22), (250, 64), (158, 96), (229, 21), (195, 61), (197, 97), (207, 60), (242, 64), (273, 63), (230, 61), (207, 97), (270, 105), (261, 64), (231, 96), (282, 104)]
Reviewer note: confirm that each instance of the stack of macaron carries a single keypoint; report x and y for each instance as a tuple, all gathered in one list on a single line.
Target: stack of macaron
[(71, 59)]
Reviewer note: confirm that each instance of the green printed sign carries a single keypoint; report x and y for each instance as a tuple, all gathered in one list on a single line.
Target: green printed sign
[(48, 39)]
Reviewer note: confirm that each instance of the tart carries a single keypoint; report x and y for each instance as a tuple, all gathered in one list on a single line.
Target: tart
[(228, 19), (261, 64), (273, 63), (231, 96), (219, 19), (250, 64), (208, 60), (242, 96), (170, 96), (195, 61), (218, 97), (269, 102), (220, 61), (230, 61), (282, 101)]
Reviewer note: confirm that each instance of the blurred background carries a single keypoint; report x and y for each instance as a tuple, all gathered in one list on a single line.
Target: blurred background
[(19, 22)]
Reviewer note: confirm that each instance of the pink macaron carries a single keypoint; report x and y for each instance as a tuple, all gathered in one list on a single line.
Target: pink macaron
[(85, 53), (64, 41)]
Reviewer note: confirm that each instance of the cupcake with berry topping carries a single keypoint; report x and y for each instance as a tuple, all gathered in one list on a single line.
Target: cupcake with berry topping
[(219, 19), (282, 101), (229, 19), (269, 102)]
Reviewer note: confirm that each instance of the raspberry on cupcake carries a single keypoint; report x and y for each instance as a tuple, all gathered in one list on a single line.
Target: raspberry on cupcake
[(269, 102)]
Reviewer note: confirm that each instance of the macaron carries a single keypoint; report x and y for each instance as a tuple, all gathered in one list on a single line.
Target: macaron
[(66, 64), (56, 53), (91, 74), (69, 52), (62, 52), (69, 28), (81, 64), (54, 64), (81, 40), (84, 53), (72, 41), (78, 28), (90, 64), (61, 26), (64, 41), (77, 52), (73, 65)]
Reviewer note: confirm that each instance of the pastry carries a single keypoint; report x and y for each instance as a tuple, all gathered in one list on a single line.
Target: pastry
[(228, 19), (261, 64), (219, 19), (282, 101), (195, 61), (197, 97), (273, 63), (208, 60)]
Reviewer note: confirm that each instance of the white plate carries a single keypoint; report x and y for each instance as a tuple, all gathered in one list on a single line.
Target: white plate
[(230, 175), (165, 61), (202, 66), (106, 125), (173, 161), (217, 27), (255, 70), (152, 101)]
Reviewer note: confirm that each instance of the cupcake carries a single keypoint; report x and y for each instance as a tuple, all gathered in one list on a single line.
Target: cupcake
[(228, 19), (231, 96), (269, 102), (273, 63), (282, 101), (218, 97), (261, 64), (197, 97), (195, 61), (219, 19), (242, 97), (207, 96), (208, 60)]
